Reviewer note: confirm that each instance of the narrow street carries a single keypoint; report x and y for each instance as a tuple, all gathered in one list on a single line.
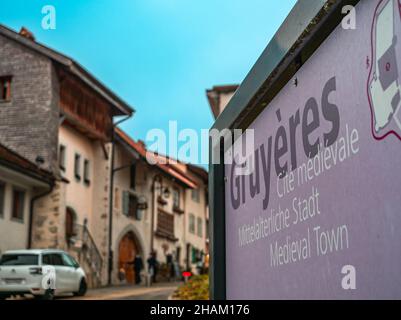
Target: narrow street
[(157, 292)]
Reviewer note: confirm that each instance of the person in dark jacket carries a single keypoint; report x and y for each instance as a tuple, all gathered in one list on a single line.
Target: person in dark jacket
[(138, 266), (170, 265), (153, 266)]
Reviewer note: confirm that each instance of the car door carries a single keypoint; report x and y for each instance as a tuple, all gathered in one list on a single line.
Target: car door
[(72, 281), (56, 260)]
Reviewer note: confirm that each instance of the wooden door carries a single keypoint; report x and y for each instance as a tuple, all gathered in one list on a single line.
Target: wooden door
[(69, 224), (127, 252)]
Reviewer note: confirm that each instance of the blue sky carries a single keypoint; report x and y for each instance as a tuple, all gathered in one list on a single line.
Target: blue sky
[(158, 55)]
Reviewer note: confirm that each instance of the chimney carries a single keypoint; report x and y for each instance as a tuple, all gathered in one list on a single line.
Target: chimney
[(142, 144), (27, 34)]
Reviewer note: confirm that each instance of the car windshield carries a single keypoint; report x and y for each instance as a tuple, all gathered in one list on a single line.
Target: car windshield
[(19, 260)]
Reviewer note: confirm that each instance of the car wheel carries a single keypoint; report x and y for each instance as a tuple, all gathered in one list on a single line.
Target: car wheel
[(83, 287), (49, 295)]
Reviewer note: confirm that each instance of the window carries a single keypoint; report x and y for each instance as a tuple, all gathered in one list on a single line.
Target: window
[(133, 206), (19, 260), (74, 262), (69, 261), (195, 255), (132, 176), (165, 224), (18, 204), (130, 205), (53, 259), (46, 259), (176, 198), (117, 198), (61, 157), (2, 196), (195, 195), (192, 223), (77, 166), (86, 172), (70, 221), (5, 89), (200, 227), (57, 260)]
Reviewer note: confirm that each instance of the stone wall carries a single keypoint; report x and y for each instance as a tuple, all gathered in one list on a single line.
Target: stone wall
[(49, 220), (99, 223), (29, 122)]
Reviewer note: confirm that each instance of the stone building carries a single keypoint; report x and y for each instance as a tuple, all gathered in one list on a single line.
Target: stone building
[(59, 115)]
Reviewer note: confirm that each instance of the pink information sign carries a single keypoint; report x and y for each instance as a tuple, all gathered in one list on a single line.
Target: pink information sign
[(319, 217)]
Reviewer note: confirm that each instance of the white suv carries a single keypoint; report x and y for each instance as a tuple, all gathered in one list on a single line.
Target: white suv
[(42, 273)]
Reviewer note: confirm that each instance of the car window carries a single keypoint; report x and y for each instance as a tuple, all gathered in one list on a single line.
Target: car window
[(52, 259), (68, 261), (57, 259), (76, 264), (47, 259), (19, 260)]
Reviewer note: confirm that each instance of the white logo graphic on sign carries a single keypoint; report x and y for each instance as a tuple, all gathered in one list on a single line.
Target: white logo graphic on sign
[(384, 88)]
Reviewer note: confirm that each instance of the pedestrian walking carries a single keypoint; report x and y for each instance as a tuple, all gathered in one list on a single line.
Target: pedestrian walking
[(153, 266), (138, 266)]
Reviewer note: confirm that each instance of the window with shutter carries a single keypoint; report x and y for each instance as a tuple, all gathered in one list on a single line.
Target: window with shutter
[(165, 224), (62, 157), (77, 166), (70, 221), (18, 204), (192, 223), (86, 172), (200, 227), (5, 89), (125, 203), (130, 205), (133, 206)]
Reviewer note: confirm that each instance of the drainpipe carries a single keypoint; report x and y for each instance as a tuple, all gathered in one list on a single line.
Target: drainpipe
[(111, 199), (156, 178), (185, 223), (31, 207)]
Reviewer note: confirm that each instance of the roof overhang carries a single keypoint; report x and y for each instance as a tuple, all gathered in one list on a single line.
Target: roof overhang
[(27, 178), (161, 163), (119, 106), (127, 148)]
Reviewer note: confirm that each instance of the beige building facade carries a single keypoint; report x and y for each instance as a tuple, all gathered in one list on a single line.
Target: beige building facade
[(20, 182), (161, 203)]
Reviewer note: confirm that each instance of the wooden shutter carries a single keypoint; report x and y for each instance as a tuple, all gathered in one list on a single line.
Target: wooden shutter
[(126, 203)]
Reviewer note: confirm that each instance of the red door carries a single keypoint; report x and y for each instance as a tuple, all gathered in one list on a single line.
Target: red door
[(127, 252)]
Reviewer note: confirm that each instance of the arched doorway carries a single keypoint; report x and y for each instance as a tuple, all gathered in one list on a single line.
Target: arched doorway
[(128, 248)]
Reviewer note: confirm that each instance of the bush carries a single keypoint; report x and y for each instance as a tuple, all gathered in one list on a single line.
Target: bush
[(197, 288)]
